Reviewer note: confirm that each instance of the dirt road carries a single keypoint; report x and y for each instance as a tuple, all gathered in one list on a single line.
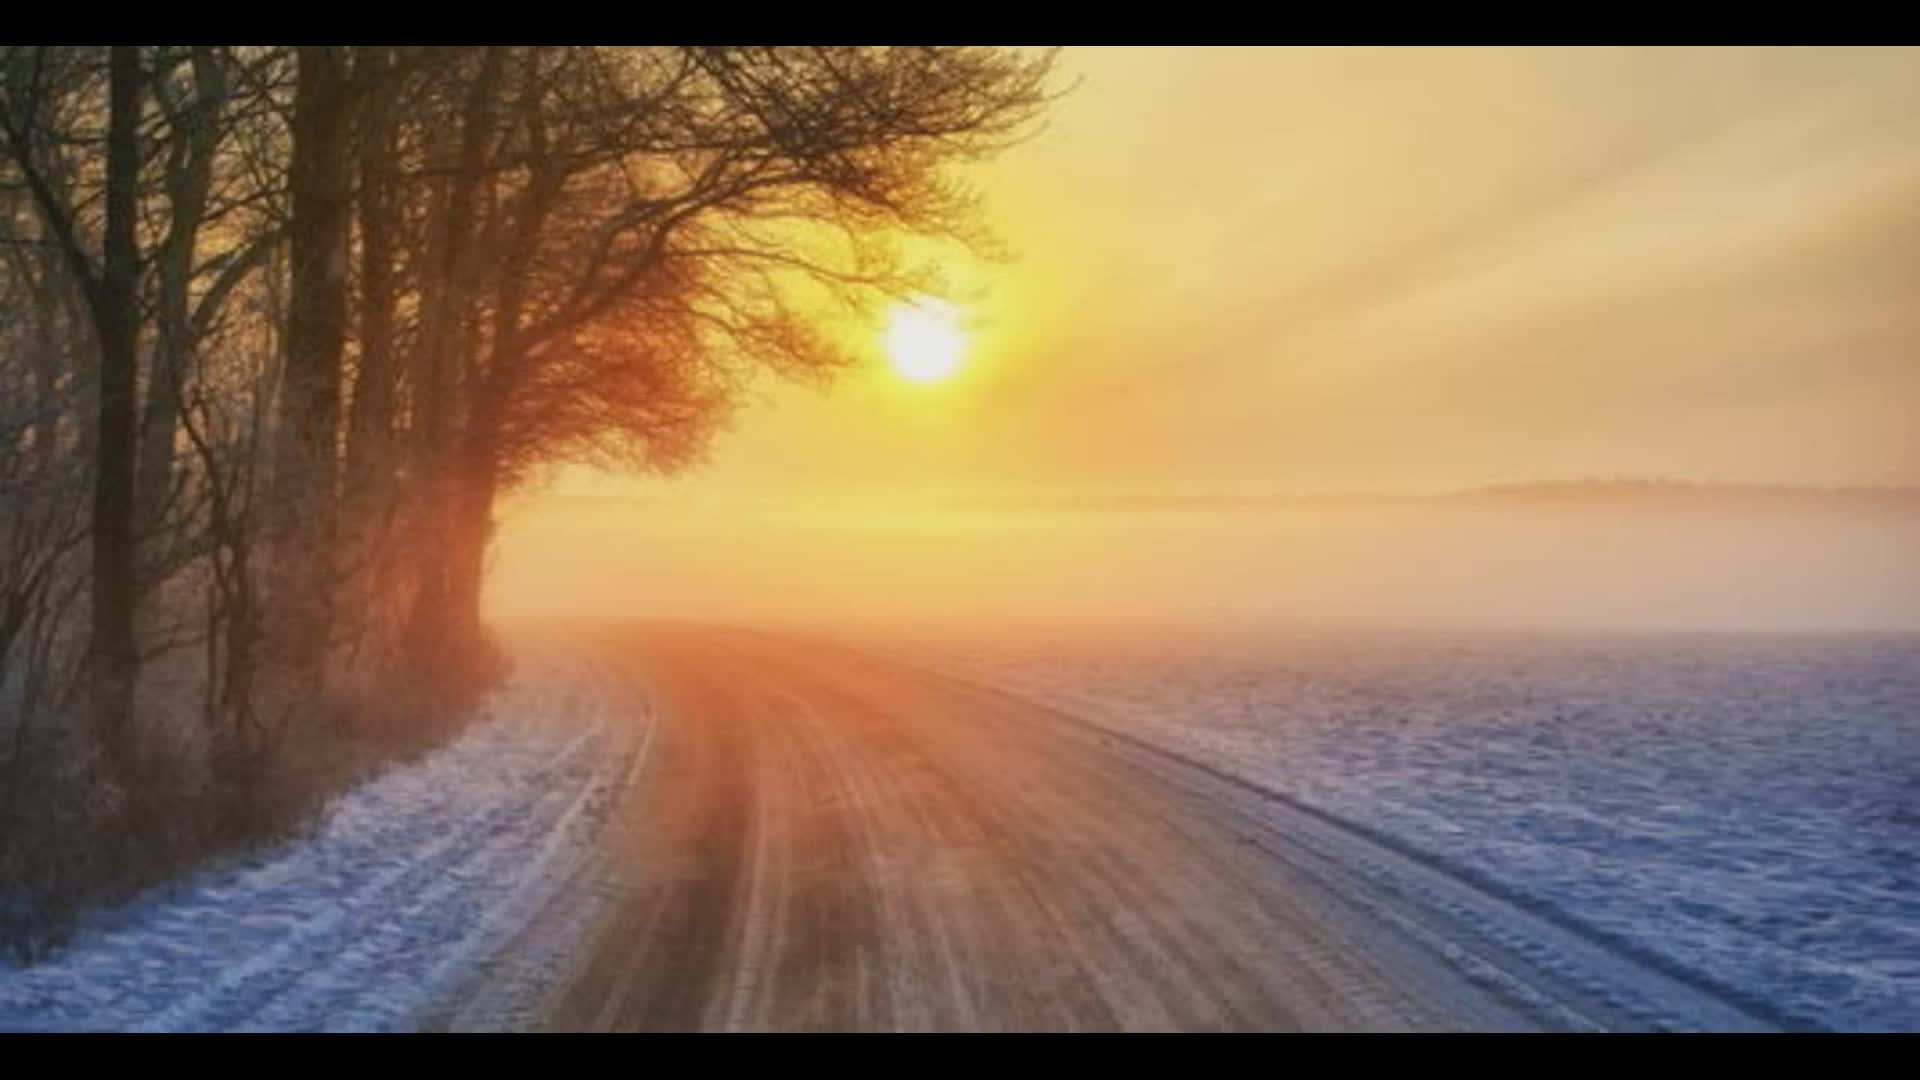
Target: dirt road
[(821, 840)]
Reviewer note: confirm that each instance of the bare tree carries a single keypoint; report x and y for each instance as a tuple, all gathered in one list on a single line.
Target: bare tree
[(109, 283), (644, 228), (299, 315)]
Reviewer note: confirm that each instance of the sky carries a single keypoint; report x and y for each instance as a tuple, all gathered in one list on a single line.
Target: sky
[(1279, 270), (1254, 271)]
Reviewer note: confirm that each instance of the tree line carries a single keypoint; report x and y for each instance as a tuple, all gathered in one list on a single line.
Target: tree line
[(280, 324)]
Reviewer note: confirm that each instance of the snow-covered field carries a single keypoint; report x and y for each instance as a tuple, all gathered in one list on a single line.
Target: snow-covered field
[(1747, 808), (405, 893)]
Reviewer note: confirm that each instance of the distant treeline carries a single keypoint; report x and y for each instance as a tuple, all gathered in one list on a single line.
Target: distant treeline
[(1686, 493), (1672, 494)]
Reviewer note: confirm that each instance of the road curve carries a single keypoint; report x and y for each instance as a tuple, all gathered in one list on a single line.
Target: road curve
[(820, 840)]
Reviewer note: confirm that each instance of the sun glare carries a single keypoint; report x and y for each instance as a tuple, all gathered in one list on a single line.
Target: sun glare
[(924, 340)]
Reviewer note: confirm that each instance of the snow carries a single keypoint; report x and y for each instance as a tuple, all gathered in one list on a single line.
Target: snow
[(409, 887), (1745, 808)]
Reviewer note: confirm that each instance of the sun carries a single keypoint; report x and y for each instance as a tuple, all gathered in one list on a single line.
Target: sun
[(924, 339)]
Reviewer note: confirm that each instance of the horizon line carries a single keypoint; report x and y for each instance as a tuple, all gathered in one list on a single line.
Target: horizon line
[(1586, 488)]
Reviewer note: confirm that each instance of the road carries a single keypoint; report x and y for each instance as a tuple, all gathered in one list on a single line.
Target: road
[(693, 829), (820, 840)]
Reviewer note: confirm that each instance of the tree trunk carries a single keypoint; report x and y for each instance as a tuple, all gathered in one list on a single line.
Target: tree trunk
[(306, 470), (473, 536), (443, 626), (189, 177), (447, 645), (114, 657), (369, 447), (445, 324)]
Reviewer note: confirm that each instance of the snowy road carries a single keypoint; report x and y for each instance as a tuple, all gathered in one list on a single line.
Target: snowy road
[(678, 828), (823, 840)]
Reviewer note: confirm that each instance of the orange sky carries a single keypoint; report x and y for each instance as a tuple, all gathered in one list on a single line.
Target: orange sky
[(1300, 270), (1259, 270)]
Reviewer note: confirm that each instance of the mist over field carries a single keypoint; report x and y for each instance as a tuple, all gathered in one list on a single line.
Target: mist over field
[(1577, 562)]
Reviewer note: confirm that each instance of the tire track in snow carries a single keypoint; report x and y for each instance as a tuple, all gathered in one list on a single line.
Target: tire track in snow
[(1566, 974), (836, 844)]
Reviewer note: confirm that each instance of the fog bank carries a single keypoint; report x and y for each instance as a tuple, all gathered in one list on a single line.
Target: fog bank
[(1566, 564)]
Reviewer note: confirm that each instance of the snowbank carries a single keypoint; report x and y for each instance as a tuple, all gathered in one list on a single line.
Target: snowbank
[(408, 887)]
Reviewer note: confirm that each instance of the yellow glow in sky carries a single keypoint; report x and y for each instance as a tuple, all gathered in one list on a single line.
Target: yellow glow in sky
[(924, 340), (1259, 270), (1274, 270)]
